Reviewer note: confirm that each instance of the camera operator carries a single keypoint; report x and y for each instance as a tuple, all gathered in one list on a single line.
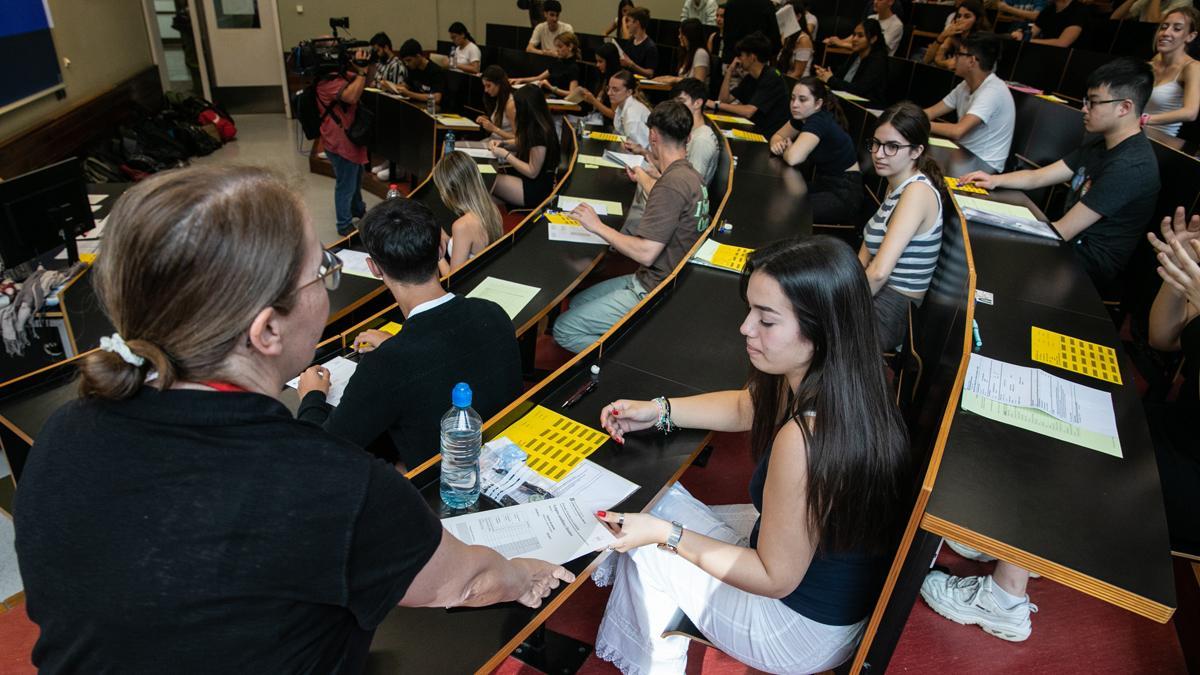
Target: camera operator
[(389, 71), (426, 79), (342, 90)]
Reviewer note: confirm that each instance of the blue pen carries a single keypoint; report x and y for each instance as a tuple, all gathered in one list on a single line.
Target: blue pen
[(975, 334)]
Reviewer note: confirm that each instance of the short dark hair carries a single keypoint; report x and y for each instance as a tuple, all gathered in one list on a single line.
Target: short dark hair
[(985, 47), (410, 48), (672, 119), (1126, 77), (757, 44), (402, 237), (381, 39), (640, 15), (695, 89), (552, 6)]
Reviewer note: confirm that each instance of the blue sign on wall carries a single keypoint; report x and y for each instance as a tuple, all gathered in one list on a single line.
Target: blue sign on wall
[(28, 62)]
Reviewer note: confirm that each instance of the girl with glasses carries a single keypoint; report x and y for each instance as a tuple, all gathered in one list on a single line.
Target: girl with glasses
[(902, 240)]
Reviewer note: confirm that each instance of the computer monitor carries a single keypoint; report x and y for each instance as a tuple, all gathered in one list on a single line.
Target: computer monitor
[(43, 210)]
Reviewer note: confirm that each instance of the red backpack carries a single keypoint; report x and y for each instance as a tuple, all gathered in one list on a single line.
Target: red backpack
[(224, 124)]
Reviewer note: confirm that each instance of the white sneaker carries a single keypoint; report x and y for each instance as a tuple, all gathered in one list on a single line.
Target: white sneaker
[(322, 155), (384, 174), (970, 600), (968, 552)]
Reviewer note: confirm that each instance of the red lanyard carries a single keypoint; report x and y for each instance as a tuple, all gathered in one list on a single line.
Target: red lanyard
[(223, 386)]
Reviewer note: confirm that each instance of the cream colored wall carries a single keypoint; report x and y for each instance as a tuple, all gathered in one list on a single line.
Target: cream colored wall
[(105, 40), (427, 21)]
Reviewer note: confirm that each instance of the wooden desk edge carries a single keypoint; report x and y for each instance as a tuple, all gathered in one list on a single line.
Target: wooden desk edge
[(1049, 569)]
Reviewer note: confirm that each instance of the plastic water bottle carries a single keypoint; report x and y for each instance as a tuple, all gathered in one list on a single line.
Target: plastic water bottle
[(448, 143), (393, 191), (430, 105), (462, 436)]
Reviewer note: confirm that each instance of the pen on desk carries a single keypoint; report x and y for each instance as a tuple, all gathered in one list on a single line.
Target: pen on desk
[(585, 388), (975, 334)]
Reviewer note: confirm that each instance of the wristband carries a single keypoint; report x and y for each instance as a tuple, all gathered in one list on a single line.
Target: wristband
[(664, 423)]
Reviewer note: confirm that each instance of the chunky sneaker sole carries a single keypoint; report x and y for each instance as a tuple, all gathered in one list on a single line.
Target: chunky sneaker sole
[(969, 602)]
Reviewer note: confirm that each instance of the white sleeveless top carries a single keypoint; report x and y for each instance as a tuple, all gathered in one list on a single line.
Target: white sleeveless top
[(914, 269), (1166, 97)]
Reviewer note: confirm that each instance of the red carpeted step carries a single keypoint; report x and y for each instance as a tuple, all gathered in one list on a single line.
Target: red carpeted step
[(550, 356), (17, 635), (1072, 633), (512, 219)]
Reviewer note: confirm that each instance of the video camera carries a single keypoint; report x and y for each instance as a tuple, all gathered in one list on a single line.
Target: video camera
[(327, 56)]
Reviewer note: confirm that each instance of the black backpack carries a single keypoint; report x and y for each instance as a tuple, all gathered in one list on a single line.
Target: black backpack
[(308, 111)]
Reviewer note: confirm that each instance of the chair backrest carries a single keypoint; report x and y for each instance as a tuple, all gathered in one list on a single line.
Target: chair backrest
[(930, 84), (720, 178), (899, 79), (1040, 66), (1080, 64), (1135, 38), (1056, 130)]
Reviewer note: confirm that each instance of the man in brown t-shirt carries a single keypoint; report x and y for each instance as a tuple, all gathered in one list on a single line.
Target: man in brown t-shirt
[(675, 216)]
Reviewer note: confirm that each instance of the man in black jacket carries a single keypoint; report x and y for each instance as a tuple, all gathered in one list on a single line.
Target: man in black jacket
[(395, 399)]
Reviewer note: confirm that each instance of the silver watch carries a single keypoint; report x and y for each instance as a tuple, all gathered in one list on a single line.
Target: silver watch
[(672, 544)]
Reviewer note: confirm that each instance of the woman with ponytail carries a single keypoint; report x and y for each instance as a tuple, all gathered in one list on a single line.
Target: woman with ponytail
[(902, 241), (230, 536), (817, 133)]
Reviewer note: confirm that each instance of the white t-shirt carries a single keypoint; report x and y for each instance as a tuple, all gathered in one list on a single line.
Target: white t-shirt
[(699, 60), (543, 37), (463, 56), (629, 121), (993, 104), (893, 31)]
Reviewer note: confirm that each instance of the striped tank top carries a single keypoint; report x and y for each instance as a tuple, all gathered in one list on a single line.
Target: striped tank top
[(914, 269)]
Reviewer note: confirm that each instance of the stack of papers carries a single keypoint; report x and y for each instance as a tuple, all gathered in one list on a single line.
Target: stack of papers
[(456, 121), (506, 478), (603, 136), (341, 370), (596, 160), (1007, 216), (602, 207), (627, 160), (943, 143), (849, 97), (722, 256), (744, 135), (1038, 401), (355, 262), (511, 296), (563, 227), (554, 530)]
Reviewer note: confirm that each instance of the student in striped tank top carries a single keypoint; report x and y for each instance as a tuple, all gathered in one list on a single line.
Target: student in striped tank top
[(902, 240)]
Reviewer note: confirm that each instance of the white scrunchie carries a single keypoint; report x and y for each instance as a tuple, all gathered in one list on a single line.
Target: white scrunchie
[(116, 345)]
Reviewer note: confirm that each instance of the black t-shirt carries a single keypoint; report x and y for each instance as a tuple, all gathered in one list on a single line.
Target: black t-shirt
[(402, 389), (199, 531), (644, 54), (1121, 185), (768, 94), (563, 72), (835, 150), (431, 79), (1053, 22)]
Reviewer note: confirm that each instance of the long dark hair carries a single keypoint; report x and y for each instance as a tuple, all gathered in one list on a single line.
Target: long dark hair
[(612, 63), (496, 75), (910, 121), (692, 31), (981, 25), (829, 101), (461, 29), (858, 455), (534, 125), (874, 33)]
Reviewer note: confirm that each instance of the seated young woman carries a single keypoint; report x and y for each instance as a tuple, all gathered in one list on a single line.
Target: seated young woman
[(1175, 98), (796, 58), (533, 155), (865, 74), (461, 187), (608, 63), (498, 94), (969, 18), (817, 133), (696, 60), (233, 537), (630, 110), (562, 77), (902, 241), (830, 488)]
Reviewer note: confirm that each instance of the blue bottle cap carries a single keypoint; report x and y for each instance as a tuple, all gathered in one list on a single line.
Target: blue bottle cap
[(461, 396)]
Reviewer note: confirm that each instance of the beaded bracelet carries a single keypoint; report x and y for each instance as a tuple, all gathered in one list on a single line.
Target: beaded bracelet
[(664, 423)]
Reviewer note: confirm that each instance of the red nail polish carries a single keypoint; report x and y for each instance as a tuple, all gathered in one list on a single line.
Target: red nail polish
[(602, 514)]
